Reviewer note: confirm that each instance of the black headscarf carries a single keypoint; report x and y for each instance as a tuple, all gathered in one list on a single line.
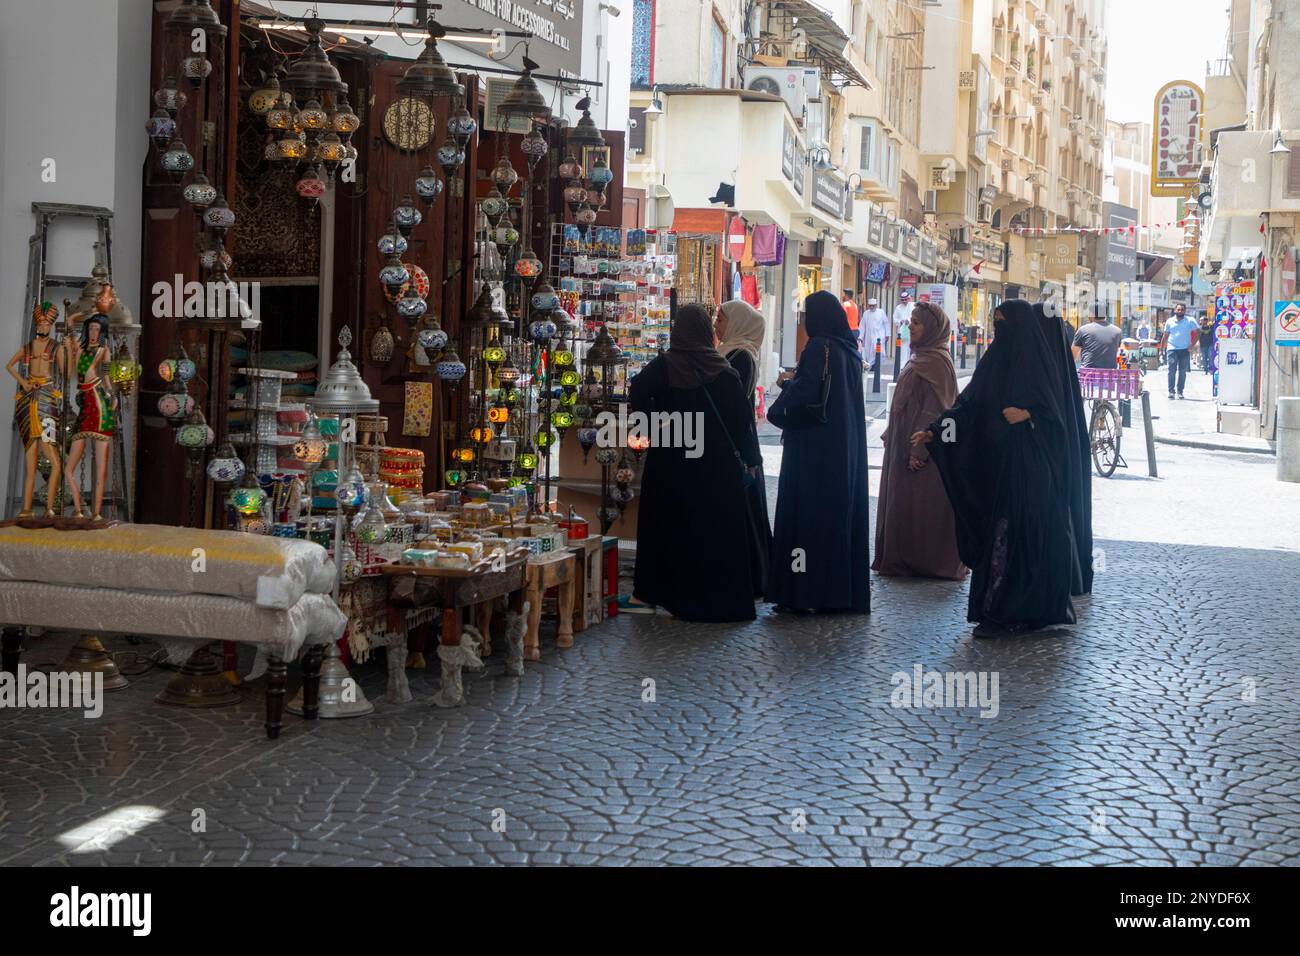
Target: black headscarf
[(826, 319), (692, 359), (1078, 477)]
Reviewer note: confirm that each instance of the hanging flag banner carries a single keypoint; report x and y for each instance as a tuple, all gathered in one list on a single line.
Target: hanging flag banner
[(1176, 138)]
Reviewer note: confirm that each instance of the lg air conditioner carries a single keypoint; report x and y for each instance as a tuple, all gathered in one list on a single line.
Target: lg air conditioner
[(791, 83)]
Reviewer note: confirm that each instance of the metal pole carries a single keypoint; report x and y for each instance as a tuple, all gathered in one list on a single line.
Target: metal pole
[(963, 350), (875, 371), (898, 356), (1151, 435)]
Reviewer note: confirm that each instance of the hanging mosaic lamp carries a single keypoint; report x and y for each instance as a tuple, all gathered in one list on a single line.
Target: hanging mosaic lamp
[(170, 97), (524, 98), (200, 193), (330, 153), (219, 216), (570, 168), (291, 147), (562, 421), (450, 368), (225, 466), (544, 437), (587, 435), (248, 497), (545, 298), (499, 414), (429, 75), (494, 206), (263, 99), (505, 236), (461, 126), (196, 69), (453, 477), (411, 305), (585, 132), (124, 370), (392, 242), (428, 186), (344, 121), (534, 147), (381, 346), (161, 128), (311, 186), (481, 434), (195, 435), (542, 330), (575, 194), (563, 358), (280, 116), (350, 492), (371, 528), (504, 176), (585, 215), (526, 460), (393, 275), (209, 258), (177, 160), (600, 175), (638, 445), (175, 404), (312, 75), (528, 266), (430, 334), (450, 157), (508, 374), (406, 216)]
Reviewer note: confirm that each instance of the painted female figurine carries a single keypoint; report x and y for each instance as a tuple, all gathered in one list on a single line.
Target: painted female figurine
[(97, 420), (36, 405)]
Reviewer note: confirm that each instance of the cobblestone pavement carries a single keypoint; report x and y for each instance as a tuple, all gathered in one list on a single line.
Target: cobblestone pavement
[(1160, 730)]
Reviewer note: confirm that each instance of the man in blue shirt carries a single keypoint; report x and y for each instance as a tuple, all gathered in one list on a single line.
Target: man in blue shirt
[(1179, 338)]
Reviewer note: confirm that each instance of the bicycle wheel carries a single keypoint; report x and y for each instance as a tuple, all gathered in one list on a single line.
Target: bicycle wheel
[(1104, 433)]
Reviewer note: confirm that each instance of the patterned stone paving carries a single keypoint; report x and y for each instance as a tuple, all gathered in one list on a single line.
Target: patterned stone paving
[(1131, 738)]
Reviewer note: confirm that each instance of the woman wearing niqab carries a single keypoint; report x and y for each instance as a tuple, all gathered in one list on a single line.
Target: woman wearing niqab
[(821, 550), (1002, 450), (694, 550)]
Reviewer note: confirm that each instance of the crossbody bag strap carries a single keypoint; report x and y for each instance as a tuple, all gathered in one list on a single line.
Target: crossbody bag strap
[(734, 450)]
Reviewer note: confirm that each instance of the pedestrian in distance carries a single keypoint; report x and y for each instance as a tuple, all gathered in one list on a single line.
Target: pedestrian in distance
[(1096, 344), (873, 330), (1205, 337), (902, 316), (1002, 452), (694, 546), (850, 310), (739, 329), (1178, 341), (915, 533), (821, 549)]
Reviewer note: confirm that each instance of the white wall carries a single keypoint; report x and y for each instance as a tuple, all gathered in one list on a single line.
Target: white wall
[(73, 88)]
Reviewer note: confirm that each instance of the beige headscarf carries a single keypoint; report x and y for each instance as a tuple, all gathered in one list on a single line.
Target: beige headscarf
[(745, 329)]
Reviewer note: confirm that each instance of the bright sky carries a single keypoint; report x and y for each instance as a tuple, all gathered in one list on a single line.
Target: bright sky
[(1151, 42)]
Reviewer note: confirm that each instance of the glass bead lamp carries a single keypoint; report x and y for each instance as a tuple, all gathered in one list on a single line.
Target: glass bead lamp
[(225, 467)]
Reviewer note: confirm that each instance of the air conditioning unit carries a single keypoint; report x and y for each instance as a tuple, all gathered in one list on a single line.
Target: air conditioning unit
[(984, 212), (497, 91), (1040, 98), (930, 205), (1078, 54), (1007, 164), (941, 177), (965, 81), (960, 237), (1040, 22), (1075, 125), (791, 83)]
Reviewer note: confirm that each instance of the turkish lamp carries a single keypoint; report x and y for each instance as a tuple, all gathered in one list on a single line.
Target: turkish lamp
[(392, 242), (350, 492), (195, 435), (225, 467), (494, 206), (177, 159), (196, 69), (528, 266), (170, 97), (428, 186), (450, 368), (311, 186), (344, 121), (504, 176), (263, 99), (406, 216), (394, 275), (534, 147), (124, 370), (450, 157), (200, 193), (411, 306), (161, 128), (311, 447), (248, 498), (570, 168), (371, 529)]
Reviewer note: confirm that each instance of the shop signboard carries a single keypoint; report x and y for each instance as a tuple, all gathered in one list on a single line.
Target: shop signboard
[(1176, 141), (1287, 331), (1234, 331), (979, 251), (929, 254), (828, 193), (996, 252), (893, 233), (877, 270), (1060, 256), (555, 27), (912, 246), (876, 227), (789, 154), (1120, 247)]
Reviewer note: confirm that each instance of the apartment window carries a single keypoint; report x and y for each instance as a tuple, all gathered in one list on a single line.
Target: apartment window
[(867, 160), (870, 55), (717, 55)]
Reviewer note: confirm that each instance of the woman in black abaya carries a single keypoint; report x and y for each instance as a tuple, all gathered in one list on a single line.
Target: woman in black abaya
[(821, 552), (1003, 453), (694, 552)]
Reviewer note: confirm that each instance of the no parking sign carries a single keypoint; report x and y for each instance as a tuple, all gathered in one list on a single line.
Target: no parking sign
[(1287, 315)]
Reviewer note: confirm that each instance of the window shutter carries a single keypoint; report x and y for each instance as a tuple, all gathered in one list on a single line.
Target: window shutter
[(865, 163), (1293, 170)]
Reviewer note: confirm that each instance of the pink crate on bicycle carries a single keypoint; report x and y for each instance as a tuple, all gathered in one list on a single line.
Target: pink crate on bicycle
[(1097, 383)]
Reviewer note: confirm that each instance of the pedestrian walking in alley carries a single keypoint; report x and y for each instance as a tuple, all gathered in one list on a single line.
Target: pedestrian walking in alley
[(902, 316), (1179, 339), (821, 551), (915, 533), (873, 330), (1096, 344), (1002, 451), (1077, 477), (739, 329), (850, 310), (694, 546), (1205, 338)]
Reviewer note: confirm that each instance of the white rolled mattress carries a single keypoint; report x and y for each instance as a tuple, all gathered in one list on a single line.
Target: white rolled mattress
[(267, 571), (313, 619)]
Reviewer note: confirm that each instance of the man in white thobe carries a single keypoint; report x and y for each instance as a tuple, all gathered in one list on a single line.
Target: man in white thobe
[(873, 328), (902, 326)]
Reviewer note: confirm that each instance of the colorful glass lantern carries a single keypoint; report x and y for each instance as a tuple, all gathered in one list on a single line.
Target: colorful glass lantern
[(393, 275), (575, 194), (563, 358), (410, 305), (185, 369), (570, 168), (600, 174), (494, 206), (431, 336), (463, 453), (167, 370), (196, 69), (248, 498), (209, 258), (170, 97), (606, 456), (562, 420), (428, 186), (453, 477), (279, 118), (371, 528), (504, 176), (195, 435), (311, 186), (219, 216), (161, 128), (583, 409), (225, 466), (344, 120), (506, 236), (569, 378), (569, 397), (498, 414), (585, 215), (545, 298), (461, 125), (311, 447), (350, 492), (291, 147), (526, 460), (175, 404), (312, 119), (406, 216), (542, 330), (177, 160), (261, 101), (392, 242), (587, 435), (508, 374), (200, 193), (494, 354), (450, 368), (124, 371), (528, 266), (638, 444), (545, 438), (450, 157), (534, 148), (330, 151), (481, 434)]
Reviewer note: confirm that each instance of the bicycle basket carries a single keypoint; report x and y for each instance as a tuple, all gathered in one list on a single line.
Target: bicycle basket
[(1097, 383)]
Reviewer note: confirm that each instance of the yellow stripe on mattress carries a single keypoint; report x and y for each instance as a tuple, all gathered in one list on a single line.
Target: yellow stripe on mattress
[(231, 546)]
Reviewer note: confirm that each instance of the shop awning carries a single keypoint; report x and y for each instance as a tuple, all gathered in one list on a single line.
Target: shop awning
[(826, 41)]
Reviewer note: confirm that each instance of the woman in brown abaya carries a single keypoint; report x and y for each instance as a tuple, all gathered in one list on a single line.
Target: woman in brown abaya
[(915, 530)]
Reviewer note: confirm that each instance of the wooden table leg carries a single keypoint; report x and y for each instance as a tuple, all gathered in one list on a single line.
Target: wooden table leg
[(531, 650), (451, 691), (451, 626), (276, 673), (311, 660), (564, 630), (11, 646), (399, 688), (485, 628)]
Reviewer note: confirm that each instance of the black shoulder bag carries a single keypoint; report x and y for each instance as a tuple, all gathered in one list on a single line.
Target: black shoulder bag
[(811, 414), (746, 479)]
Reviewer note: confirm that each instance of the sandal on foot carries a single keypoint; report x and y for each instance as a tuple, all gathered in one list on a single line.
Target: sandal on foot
[(630, 605)]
